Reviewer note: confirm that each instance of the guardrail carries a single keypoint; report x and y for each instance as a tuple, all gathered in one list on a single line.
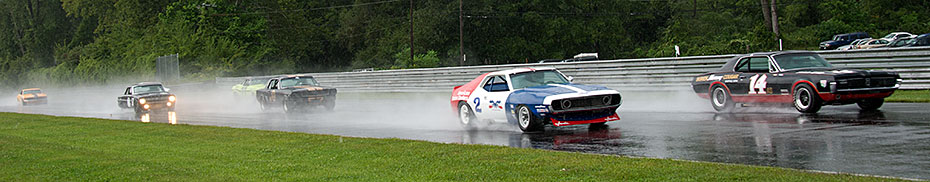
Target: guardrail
[(671, 73)]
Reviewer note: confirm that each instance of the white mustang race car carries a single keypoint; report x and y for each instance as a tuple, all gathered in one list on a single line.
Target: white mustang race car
[(532, 98)]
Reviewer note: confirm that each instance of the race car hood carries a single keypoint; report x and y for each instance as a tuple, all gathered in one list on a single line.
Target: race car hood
[(307, 88), (840, 73), (545, 94)]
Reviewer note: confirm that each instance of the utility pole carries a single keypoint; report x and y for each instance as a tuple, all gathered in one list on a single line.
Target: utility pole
[(461, 37), (411, 30)]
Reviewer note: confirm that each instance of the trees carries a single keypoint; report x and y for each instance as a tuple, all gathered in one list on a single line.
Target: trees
[(93, 41)]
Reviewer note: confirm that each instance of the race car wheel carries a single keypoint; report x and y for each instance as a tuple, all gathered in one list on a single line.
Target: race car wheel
[(721, 99), (526, 120), (806, 100), (288, 108), (330, 104), (871, 104), (466, 116), (597, 125)]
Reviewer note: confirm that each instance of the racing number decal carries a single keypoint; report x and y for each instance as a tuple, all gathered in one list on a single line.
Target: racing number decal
[(477, 103), (757, 84)]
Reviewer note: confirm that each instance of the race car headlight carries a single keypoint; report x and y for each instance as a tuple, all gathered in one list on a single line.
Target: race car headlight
[(566, 104), (172, 98), (141, 101)]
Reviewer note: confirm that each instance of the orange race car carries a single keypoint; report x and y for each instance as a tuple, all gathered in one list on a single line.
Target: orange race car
[(31, 96)]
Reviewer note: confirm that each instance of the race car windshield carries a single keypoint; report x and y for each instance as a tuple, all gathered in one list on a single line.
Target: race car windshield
[(32, 91), (537, 78), (798, 61), (298, 81), (147, 89)]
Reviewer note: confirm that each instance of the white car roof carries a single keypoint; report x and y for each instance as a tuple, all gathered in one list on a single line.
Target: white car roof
[(518, 70)]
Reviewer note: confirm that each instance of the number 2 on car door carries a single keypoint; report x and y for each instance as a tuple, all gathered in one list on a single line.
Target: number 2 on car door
[(757, 84)]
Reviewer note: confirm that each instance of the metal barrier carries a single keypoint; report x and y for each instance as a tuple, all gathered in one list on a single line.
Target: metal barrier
[(672, 73)]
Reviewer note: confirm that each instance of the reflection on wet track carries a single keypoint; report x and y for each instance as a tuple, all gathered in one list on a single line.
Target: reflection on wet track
[(892, 142)]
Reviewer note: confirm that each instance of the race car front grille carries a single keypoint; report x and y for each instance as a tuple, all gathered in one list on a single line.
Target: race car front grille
[(853, 83), (589, 102)]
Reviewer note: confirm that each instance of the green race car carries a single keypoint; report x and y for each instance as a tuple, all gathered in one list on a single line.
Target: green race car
[(249, 86)]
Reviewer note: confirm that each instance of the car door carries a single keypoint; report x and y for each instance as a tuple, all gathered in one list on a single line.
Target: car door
[(266, 95), (125, 101), (489, 98), (753, 77)]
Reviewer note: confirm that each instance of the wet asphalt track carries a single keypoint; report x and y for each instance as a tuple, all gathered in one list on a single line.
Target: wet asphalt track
[(892, 142)]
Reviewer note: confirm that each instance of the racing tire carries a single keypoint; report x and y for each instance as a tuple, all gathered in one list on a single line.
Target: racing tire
[(329, 104), (870, 104), (720, 99), (595, 126), (466, 116), (287, 107), (806, 99), (527, 121)]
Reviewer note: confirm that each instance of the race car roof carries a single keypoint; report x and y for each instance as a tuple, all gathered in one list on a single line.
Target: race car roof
[(518, 70), (28, 89), (147, 83), (732, 62)]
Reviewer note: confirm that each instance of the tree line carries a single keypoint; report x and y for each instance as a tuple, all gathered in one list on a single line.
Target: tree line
[(74, 42)]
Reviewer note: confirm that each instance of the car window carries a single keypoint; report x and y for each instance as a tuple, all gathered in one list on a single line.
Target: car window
[(298, 81), (537, 78), (31, 92), (273, 84), (496, 84), (796, 61), (753, 65), (147, 89)]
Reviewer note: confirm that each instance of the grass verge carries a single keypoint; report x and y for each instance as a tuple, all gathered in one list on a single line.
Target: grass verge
[(909, 96), (49, 148)]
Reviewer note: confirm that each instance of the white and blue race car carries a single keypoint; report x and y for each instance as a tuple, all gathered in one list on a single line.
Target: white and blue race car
[(532, 98)]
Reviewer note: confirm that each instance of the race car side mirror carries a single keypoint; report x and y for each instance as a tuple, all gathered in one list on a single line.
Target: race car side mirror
[(570, 78)]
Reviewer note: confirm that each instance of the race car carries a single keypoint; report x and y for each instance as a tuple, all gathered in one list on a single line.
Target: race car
[(146, 97), (249, 86), (31, 96), (532, 98), (799, 78), (295, 92)]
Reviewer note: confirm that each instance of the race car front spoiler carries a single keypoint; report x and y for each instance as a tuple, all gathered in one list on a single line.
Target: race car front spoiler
[(613, 117)]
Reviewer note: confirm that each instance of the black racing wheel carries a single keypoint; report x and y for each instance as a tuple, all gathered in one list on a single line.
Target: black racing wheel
[(871, 104), (806, 99), (720, 99)]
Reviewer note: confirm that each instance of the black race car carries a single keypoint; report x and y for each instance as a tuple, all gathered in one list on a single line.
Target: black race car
[(147, 96), (295, 92), (801, 78)]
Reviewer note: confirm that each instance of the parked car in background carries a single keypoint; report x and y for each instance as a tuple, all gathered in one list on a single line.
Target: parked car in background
[(921, 40), (902, 42), (147, 96), (852, 44), (842, 39), (31, 96), (897, 35), (874, 43)]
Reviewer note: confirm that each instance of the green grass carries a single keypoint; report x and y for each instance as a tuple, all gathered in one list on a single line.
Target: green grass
[(909, 96), (48, 148)]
